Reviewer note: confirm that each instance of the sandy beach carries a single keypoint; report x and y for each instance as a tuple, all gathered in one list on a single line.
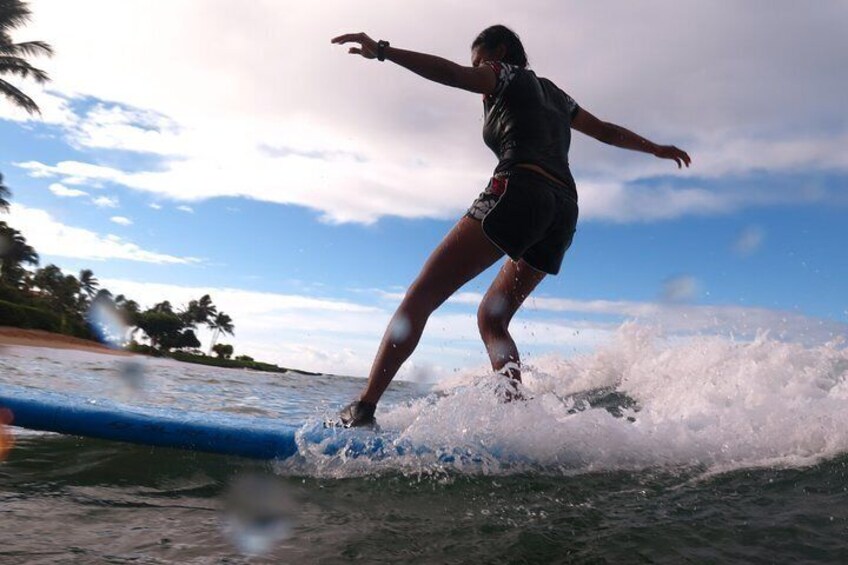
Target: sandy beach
[(39, 338)]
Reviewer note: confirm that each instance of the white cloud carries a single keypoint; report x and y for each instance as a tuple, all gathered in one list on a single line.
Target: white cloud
[(350, 147), (186, 209), (55, 109), (121, 220), (116, 127), (341, 337), (621, 308), (676, 318), (155, 206), (51, 237), (74, 170), (105, 202), (65, 192)]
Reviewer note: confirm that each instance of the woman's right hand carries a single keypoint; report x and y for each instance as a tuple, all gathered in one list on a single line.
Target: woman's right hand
[(367, 46), (671, 152)]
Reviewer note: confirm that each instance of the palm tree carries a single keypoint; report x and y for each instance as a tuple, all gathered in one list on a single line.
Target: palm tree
[(5, 193), (221, 323), (88, 282), (13, 14), (163, 308), (199, 311), (14, 253), (60, 289)]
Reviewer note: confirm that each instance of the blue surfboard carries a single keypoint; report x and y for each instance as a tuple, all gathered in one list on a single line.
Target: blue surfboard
[(215, 432), (257, 438)]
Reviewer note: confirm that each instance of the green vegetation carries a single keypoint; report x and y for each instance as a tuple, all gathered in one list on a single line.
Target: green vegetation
[(47, 298), (238, 363), (222, 350), (29, 317), (13, 56)]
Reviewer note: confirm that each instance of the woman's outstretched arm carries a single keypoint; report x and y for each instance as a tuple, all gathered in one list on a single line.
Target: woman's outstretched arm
[(618, 136), (475, 79)]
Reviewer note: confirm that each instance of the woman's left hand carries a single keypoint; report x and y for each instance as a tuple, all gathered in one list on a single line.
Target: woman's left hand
[(671, 152), (367, 46)]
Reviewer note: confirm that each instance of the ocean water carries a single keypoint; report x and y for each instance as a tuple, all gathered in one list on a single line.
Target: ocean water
[(649, 449)]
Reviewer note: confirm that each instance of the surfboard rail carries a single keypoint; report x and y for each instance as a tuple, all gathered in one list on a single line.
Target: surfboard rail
[(252, 437)]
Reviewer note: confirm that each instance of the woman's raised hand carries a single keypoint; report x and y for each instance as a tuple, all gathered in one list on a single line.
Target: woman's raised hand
[(367, 46), (671, 152)]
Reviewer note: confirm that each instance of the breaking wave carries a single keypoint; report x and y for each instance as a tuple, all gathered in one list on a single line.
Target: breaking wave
[(643, 400)]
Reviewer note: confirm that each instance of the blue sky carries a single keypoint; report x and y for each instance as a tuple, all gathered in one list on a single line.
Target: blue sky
[(304, 188)]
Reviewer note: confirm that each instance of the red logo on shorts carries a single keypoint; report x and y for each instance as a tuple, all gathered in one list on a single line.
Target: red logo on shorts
[(498, 185)]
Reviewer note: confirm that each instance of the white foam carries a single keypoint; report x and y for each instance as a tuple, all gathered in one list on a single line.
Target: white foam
[(712, 402)]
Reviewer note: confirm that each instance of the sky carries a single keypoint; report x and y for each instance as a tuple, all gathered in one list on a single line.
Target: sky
[(209, 146)]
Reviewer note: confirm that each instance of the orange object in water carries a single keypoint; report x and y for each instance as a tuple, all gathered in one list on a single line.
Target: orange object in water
[(6, 438)]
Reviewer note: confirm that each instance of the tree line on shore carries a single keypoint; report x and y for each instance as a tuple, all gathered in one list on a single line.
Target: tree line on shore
[(49, 299)]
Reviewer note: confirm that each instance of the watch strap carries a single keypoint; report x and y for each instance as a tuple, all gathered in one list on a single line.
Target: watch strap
[(381, 50)]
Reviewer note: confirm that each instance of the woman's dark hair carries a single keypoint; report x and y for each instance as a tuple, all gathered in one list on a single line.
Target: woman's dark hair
[(494, 36)]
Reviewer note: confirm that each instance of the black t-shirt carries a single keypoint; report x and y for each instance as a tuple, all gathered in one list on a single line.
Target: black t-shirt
[(528, 120)]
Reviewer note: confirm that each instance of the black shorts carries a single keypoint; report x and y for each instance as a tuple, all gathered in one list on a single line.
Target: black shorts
[(528, 216)]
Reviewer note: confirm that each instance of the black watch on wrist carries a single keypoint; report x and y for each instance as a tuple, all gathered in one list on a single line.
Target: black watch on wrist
[(381, 50)]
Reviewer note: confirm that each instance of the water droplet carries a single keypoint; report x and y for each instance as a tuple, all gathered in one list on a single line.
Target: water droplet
[(497, 305), (106, 321), (399, 328), (131, 375), (258, 513)]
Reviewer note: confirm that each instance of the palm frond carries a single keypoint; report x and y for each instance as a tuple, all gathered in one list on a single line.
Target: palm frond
[(13, 13), (5, 194), (21, 68), (26, 49), (18, 97)]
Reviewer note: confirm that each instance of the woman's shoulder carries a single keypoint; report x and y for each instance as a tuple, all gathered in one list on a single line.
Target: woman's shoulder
[(555, 92), (505, 74)]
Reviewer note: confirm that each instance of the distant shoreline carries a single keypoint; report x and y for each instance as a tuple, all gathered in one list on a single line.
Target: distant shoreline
[(19, 337), (11, 336)]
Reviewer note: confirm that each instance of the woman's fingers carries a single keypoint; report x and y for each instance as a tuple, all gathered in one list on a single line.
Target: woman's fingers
[(366, 48), (347, 38), (683, 156), (676, 154)]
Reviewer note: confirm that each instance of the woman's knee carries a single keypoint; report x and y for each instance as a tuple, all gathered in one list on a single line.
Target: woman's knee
[(493, 316)]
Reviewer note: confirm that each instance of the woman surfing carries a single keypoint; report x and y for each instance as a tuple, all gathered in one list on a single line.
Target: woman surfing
[(528, 211)]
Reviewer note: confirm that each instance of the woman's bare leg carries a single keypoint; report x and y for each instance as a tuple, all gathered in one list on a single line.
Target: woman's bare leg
[(464, 253), (514, 283)]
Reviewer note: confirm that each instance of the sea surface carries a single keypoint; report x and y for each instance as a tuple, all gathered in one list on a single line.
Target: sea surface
[(649, 450)]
